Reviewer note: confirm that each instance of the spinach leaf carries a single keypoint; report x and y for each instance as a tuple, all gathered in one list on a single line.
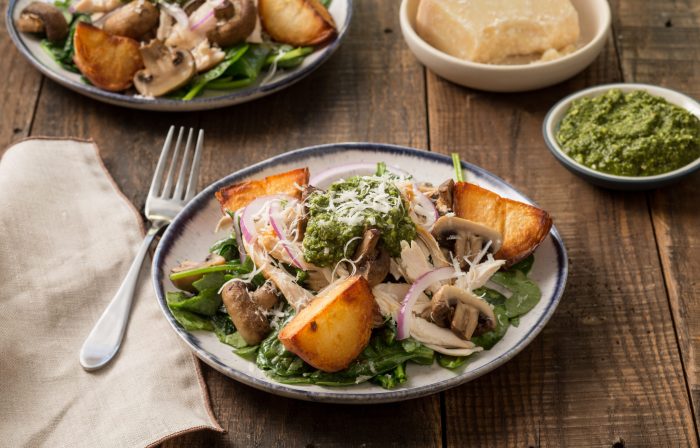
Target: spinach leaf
[(451, 362), (249, 352), (490, 338), (525, 293), (383, 355), (325, 3), (392, 378), (250, 65), (524, 266), (227, 248), (491, 296), (207, 301), (232, 55), (215, 280), (226, 331), (288, 57), (229, 84), (191, 321)]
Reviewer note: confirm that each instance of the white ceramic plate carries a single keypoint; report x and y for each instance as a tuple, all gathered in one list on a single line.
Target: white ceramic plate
[(594, 22), (192, 233), (29, 47)]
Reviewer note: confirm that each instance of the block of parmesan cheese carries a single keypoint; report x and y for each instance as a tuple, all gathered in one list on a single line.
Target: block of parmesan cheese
[(492, 31)]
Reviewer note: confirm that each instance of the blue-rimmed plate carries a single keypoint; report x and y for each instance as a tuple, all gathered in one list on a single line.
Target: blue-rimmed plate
[(192, 233), (29, 46)]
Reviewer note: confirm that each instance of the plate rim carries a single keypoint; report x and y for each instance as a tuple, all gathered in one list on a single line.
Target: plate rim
[(330, 396), (173, 105)]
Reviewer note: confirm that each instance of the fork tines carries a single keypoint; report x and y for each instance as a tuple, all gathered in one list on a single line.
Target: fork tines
[(190, 160)]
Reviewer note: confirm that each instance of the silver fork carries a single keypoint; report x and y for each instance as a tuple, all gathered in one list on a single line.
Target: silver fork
[(162, 205)]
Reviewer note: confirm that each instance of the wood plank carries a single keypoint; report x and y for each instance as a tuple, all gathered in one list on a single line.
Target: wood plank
[(660, 46), (358, 95), (22, 83), (606, 368)]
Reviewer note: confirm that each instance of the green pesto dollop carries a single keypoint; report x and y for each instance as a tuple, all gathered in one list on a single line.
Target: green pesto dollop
[(630, 134), (346, 210)]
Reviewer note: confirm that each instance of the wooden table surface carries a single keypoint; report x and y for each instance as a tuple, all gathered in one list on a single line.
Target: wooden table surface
[(617, 365)]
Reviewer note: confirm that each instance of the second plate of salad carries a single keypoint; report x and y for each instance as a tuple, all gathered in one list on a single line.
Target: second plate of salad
[(177, 55), (359, 273)]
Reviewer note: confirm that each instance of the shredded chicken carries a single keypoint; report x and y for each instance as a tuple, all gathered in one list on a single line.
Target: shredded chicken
[(297, 296), (206, 56), (429, 333), (93, 6)]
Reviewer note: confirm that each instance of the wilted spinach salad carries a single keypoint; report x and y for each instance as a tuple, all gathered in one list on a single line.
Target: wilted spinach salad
[(179, 48), (410, 275)]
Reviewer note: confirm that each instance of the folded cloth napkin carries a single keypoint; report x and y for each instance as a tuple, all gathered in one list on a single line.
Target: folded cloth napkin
[(67, 237)]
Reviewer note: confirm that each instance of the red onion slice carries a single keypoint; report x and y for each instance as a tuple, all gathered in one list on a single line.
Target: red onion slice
[(248, 217), (322, 180), (403, 321), (278, 226), (427, 205), (204, 15)]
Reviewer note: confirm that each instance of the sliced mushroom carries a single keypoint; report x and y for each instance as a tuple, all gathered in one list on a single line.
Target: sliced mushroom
[(135, 19), (465, 238), (265, 296), (185, 284), (167, 69), (43, 18), (464, 321), (371, 260), (235, 21), (464, 313), (247, 317), (444, 201)]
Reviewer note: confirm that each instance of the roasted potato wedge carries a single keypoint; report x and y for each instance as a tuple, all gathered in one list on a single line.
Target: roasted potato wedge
[(334, 329), (297, 22), (109, 62), (523, 226), (243, 193)]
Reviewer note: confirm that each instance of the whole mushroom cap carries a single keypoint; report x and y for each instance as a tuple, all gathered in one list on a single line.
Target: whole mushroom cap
[(43, 18), (235, 21)]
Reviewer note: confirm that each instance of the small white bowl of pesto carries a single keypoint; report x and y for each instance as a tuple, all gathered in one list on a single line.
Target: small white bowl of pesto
[(626, 136)]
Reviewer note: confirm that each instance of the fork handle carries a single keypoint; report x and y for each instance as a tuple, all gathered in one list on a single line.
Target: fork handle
[(106, 336)]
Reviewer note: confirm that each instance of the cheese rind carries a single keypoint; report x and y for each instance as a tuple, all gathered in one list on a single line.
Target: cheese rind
[(492, 31)]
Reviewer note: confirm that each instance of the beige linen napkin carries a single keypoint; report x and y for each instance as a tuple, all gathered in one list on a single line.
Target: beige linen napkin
[(67, 237)]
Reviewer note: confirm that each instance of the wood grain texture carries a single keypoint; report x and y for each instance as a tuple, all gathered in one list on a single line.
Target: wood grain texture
[(606, 368), (661, 45), (17, 102)]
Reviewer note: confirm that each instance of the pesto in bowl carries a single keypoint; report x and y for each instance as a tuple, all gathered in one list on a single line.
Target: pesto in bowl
[(629, 134)]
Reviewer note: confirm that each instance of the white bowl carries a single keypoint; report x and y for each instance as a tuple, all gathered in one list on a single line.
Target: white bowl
[(594, 19), (612, 181)]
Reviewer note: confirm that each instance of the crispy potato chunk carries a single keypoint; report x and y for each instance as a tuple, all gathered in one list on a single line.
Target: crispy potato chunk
[(334, 329), (239, 195), (523, 226), (109, 62), (297, 22)]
